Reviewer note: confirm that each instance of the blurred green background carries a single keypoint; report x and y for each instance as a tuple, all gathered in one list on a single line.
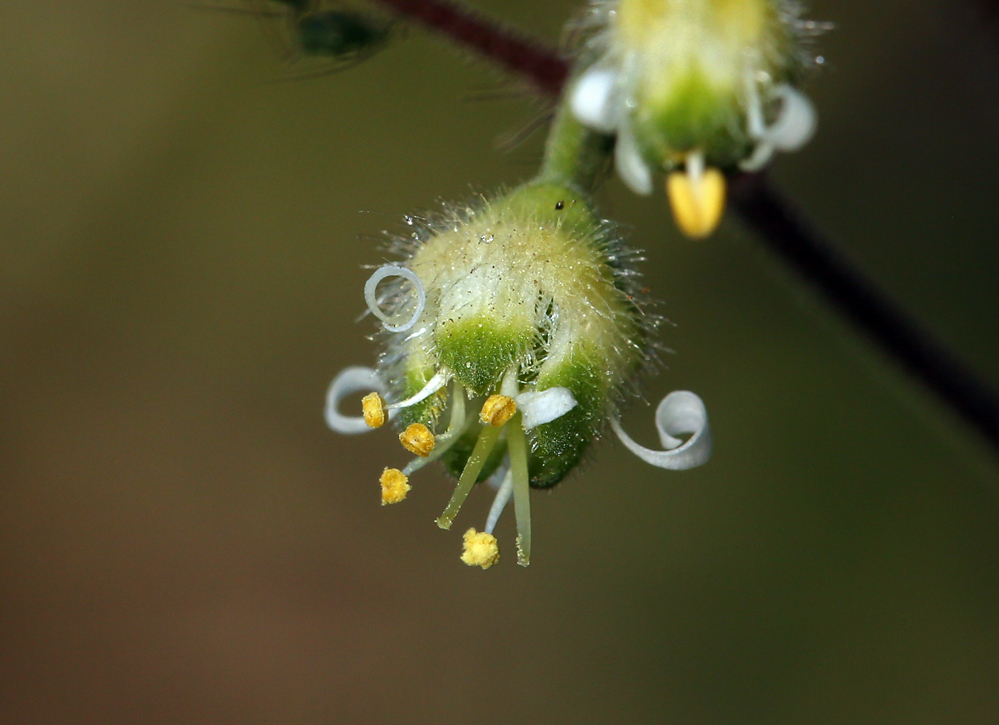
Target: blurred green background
[(183, 541)]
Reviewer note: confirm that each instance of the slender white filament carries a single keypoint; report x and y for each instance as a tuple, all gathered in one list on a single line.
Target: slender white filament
[(680, 413), (435, 383), (540, 407), (695, 168), (349, 381), (503, 495), (371, 296), (456, 426), (510, 386)]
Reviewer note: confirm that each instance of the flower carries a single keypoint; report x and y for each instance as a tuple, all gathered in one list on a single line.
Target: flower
[(523, 309), (692, 88)]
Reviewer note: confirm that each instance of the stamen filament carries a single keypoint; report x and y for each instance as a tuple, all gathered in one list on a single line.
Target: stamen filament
[(483, 447), (517, 445), (445, 440), (435, 383), (500, 502)]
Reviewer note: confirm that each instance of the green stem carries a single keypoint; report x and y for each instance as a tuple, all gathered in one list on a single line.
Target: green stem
[(575, 156), (483, 447)]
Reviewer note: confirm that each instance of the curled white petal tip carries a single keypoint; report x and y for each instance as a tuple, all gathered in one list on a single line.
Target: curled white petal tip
[(796, 123), (680, 413), (371, 296), (540, 407), (349, 381), (628, 161), (758, 159), (592, 99)]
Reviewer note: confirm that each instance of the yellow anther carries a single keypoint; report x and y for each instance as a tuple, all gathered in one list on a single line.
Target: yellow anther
[(480, 549), (497, 410), (697, 205), (417, 439), (395, 486), (373, 406)]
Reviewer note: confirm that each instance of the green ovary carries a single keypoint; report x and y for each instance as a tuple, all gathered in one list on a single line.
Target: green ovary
[(693, 116)]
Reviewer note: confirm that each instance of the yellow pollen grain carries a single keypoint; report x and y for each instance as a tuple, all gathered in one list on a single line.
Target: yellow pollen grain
[(697, 207), (480, 549), (395, 486), (373, 407), (417, 439), (497, 410)]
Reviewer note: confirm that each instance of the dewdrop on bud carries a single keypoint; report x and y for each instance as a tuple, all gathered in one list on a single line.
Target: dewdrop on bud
[(693, 88), (526, 307)]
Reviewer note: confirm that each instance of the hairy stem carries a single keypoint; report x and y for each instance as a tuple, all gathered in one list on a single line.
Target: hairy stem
[(575, 156)]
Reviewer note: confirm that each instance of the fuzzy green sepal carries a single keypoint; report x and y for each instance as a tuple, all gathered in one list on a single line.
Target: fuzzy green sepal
[(558, 446), (478, 351), (694, 116)]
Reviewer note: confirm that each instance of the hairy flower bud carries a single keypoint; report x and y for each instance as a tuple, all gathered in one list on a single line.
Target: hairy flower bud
[(524, 306)]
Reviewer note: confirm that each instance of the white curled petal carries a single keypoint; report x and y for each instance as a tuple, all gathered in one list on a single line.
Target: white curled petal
[(592, 99), (371, 297), (796, 123), (349, 381), (435, 383), (540, 407), (629, 163), (758, 159), (680, 413)]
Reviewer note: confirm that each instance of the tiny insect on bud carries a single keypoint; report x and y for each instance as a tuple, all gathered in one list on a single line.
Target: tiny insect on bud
[(497, 410), (480, 549), (373, 406), (417, 439), (395, 486)]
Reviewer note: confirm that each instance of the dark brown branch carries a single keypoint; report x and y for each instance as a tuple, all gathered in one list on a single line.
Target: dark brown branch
[(786, 232), (517, 53), (782, 228)]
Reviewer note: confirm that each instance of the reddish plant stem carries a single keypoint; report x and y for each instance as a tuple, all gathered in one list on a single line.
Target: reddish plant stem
[(515, 52)]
